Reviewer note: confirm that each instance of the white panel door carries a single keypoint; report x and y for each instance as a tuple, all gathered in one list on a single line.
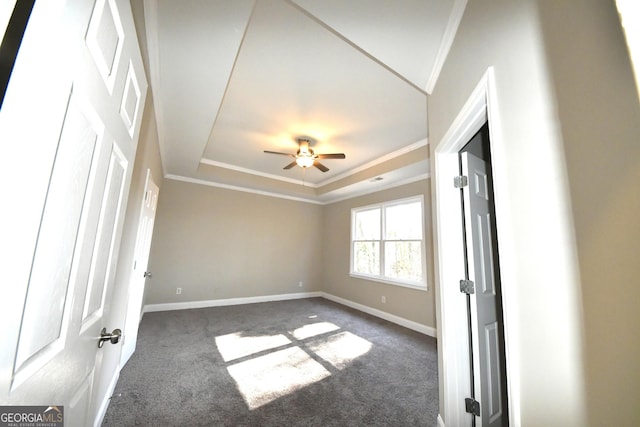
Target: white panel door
[(69, 127), (486, 330), (139, 272)]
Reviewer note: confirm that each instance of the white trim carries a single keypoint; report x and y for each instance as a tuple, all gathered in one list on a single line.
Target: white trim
[(294, 198), (415, 326), (457, 11), (377, 189), (378, 161), (149, 308), (499, 166), (153, 53), (440, 421), (448, 244), (449, 247), (409, 324), (257, 173), (389, 281), (382, 240), (404, 150), (236, 188), (102, 411)]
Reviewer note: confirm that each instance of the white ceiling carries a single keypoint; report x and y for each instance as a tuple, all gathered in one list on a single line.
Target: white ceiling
[(231, 79)]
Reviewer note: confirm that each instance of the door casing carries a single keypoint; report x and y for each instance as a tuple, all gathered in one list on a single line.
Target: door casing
[(451, 311)]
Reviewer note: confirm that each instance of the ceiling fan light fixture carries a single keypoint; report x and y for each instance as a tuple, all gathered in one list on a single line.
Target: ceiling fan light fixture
[(305, 161), (305, 157)]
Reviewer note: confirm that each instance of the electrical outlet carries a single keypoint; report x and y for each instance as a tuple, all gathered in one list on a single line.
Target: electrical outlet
[(384, 299), (178, 291), (300, 284)]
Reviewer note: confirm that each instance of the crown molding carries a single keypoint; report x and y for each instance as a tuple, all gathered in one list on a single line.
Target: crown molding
[(376, 162), (457, 11), (256, 173), (237, 188)]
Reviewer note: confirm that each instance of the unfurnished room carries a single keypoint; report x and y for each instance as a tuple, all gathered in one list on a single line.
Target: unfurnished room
[(320, 212)]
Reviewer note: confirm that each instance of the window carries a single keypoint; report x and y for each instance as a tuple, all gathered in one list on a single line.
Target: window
[(387, 242)]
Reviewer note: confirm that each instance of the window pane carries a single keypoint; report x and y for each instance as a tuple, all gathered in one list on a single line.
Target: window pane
[(403, 260), (366, 257), (367, 225), (404, 221)]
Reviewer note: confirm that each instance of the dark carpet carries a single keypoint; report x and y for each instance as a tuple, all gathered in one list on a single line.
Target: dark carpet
[(308, 362)]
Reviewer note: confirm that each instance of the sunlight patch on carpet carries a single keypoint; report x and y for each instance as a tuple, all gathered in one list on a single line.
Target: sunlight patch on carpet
[(267, 367), (340, 349), (266, 378), (314, 329), (236, 345)]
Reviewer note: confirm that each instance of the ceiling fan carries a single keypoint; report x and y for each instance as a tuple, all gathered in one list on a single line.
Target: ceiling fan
[(305, 156)]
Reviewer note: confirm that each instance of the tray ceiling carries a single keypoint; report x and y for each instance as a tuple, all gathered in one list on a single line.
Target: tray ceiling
[(232, 79)]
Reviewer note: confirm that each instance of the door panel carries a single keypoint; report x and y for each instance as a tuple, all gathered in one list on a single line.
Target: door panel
[(492, 356), (486, 276), (486, 335), (130, 100), (104, 40), (79, 403), (103, 250), (49, 280), (66, 168)]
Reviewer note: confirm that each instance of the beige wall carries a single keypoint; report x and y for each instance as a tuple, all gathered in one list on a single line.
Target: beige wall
[(216, 243), (566, 163), (412, 304), (599, 117)]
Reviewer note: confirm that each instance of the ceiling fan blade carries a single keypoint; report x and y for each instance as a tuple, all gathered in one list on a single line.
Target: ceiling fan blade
[(320, 166), (332, 156), (276, 152), (290, 165)]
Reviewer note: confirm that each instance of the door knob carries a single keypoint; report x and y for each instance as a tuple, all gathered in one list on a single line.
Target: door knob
[(147, 274), (114, 336)]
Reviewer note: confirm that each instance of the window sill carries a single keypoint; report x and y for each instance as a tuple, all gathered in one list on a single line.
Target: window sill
[(409, 285)]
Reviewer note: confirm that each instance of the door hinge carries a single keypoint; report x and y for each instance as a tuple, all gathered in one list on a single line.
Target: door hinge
[(472, 406), (466, 287), (460, 181)]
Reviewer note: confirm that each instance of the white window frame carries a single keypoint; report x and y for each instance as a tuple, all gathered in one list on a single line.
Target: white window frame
[(421, 284)]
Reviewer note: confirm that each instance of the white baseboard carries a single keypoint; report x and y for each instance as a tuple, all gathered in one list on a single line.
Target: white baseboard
[(224, 302), (418, 327), (440, 421), (102, 411)]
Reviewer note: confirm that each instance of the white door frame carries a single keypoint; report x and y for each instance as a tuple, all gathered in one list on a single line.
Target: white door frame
[(449, 249), (138, 273)]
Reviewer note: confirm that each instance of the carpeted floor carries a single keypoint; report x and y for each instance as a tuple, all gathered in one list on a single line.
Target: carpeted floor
[(308, 362)]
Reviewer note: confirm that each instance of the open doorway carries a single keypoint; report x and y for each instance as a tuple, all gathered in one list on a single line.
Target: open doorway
[(481, 285)]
